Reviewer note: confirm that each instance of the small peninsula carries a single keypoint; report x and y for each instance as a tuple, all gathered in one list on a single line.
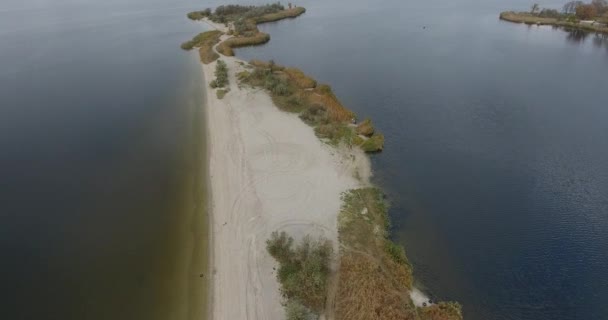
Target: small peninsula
[(592, 17), (298, 231)]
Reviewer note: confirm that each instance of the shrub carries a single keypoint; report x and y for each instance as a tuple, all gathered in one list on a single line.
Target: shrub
[(205, 42), (198, 15), (279, 246), (300, 79), (374, 144), (294, 310), (221, 75), (397, 253), (365, 128), (550, 13), (221, 93), (314, 115), (303, 269), (441, 311), (586, 12), (336, 132)]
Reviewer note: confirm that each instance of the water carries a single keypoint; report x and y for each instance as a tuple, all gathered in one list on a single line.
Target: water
[(495, 162), (496, 156), (101, 161)]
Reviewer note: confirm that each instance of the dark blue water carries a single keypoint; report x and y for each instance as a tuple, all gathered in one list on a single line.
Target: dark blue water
[(496, 158), (100, 161), (495, 161)]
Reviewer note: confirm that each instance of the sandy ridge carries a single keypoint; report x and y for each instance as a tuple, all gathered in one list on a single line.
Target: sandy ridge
[(268, 171)]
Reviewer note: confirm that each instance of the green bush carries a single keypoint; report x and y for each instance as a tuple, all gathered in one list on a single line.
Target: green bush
[(303, 269), (221, 93), (396, 252), (221, 75), (374, 144), (315, 115), (294, 310)]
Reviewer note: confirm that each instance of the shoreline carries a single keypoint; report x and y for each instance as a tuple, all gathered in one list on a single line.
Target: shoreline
[(267, 172), (529, 19), (234, 128)]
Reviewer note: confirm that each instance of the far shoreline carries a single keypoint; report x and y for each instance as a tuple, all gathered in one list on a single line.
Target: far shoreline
[(529, 19)]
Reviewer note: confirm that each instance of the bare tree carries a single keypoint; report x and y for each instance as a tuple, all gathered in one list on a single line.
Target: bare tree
[(571, 6), (601, 6), (535, 8)]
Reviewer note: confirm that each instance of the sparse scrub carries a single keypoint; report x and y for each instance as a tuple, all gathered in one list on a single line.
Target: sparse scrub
[(294, 310), (303, 269), (198, 15), (375, 275), (220, 93), (205, 42), (573, 12), (365, 128), (373, 144), (441, 311), (221, 75), (245, 20), (293, 91)]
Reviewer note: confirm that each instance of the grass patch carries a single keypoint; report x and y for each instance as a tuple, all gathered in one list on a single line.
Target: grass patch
[(221, 75), (244, 20), (199, 15), (220, 93), (375, 275), (365, 128), (566, 21), (303, 271), (293, 91), (205, 42), (374, 143), (441, 311)]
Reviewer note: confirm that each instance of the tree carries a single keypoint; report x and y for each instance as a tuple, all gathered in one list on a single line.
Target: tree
[(586, 12), (601, 6), (571, 6), (535, 8)]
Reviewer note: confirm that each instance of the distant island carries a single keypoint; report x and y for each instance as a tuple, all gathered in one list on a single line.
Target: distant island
[(574, 15), (298, 231)]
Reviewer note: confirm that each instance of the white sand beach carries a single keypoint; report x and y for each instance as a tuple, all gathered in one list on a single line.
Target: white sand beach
[(268, 172)]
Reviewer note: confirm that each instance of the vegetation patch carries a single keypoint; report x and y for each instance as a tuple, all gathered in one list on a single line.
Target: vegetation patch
[(574, 15), (220, 93), (293, 91), (441, 311), (365, 128), (374, 143), (243, 21), (303, 273), (205, 42), (375, 275), (221, 75)]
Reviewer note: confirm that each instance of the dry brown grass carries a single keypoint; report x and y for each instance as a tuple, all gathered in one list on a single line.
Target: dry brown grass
[(441, 311), (366, 292), (365, 128), (317, 104), (324, 96), (256, 37), (375, 277), (205, 42), (300, 79), (527, 18), (227, 46)]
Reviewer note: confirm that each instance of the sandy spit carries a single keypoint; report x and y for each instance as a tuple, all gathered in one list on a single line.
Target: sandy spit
[(268, 172)]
